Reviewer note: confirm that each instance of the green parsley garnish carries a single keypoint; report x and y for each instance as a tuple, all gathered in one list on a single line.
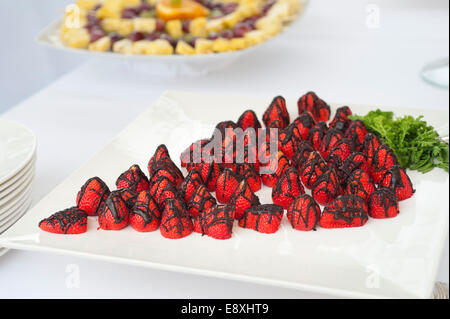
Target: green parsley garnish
[(416, 144)]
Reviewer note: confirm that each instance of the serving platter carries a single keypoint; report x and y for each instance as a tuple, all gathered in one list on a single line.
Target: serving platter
[(392, 258)]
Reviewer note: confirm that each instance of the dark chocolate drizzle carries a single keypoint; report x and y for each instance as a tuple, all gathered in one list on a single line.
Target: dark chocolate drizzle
[(347, 208), (276, 114), (162, 189), (200, 198), (248, 119), (385, 198), (358, 182), (129, 197), (313, 167), (217, 215), (102, 192), (312, 103), (298, 210), (328, 183), (132, 177), (304, 149), (291, 180), (275, 212), (66, 219), (396, 180), (356, 132), (317, 133), (193, 178), (147, 209), (175, 210), (341, 121), (116, 206)]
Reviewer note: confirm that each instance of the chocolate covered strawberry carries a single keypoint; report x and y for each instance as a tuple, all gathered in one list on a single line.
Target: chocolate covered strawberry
[(216, 222), (317, 134), (312, 169), (327, 187), (287, 188), (355, 161), (114, 214), (345, 211), (248, 119), (310, 102), (145, 216), (200, 200), (162, 165), (383, 203), (331, 139), (209, 173), (396, 179), (176, 222), (193, 154), (303, 213), (129, 197), (276, 114), (289, 140), (356, 132), (133, 179), (304, 122), (370, 145), (70, 221), (190, 184), (360, 183), (302, 154), (162, 190), (248, 172), (243, 198), (342, 149), (161, 153), (341, 121), (272, 171), (263, 218), (92, 196), (382, 160), (226, 184)]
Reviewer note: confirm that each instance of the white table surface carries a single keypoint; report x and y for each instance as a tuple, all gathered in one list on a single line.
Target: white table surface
[(331, 51)]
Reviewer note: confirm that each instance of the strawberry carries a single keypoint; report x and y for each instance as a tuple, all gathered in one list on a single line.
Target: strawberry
[(304, 122), (248, 119), (287, 188), (162, 165), (303, 213), (114, 214), (216, 222), (129, 197), (162, 190), (317, 134), (189, 184), (133, 179), (289, 140), (342, 150), (271, 172), (92, 196), (382, 160), (209, 173), (175, 222), (312, 103), (345, 211), (243, 198), (70, 221), (226, 184), (353, 162), (312, 169), (200, 200), (356, 132), (276, 114), (327, 187), (396, 179), (304, 149), (193, 154), (251, 156), (341, 122), (145, 216), (383, 203), (248, 172), (262, 218), (360, 183), (331, 139), (161, 153), (370, 145)]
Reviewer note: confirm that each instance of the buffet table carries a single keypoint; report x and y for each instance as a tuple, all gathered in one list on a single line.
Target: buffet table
[(344, 58)]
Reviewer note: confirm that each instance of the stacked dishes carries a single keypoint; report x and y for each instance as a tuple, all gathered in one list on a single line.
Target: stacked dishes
[(17, 168)]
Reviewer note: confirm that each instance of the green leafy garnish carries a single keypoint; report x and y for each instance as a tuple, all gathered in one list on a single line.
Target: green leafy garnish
[(416, 144)]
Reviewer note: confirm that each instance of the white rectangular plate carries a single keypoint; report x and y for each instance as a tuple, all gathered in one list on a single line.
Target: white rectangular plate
[(385, 258)]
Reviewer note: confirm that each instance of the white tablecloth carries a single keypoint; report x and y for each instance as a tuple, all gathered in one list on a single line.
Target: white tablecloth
[(332, 50)]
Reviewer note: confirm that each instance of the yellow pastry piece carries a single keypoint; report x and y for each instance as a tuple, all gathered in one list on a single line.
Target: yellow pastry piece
[(184, 48), (174, 28), (198, 27), (204, 46), (238, 44), (161, 47), (111, 24), (76, 38), (126, 27), (123, 46), (180, 10), (221, 45), (101, 45), (146, 25), (110, 9)]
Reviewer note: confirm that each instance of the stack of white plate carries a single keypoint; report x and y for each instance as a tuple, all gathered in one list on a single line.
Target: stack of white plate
[(17, 168)]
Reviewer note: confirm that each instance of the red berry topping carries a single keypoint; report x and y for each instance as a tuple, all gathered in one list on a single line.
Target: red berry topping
[(345, 211), (70, 221), (262, 218), (175, 222), (146, 216), (92, 196), (304, 213), (383, 203), (216, 222), (133, 179), (310, 102), (287, 188), (114, 214)]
